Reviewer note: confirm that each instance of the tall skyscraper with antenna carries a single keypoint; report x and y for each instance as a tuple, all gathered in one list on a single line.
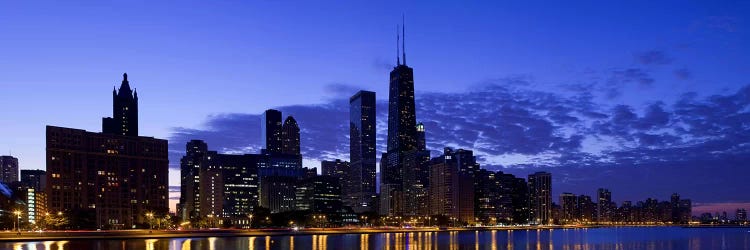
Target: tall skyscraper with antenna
[(402, 134)]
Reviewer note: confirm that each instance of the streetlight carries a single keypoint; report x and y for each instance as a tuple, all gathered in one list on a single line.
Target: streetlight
[(250, 217), (18, 217), (150, 222)]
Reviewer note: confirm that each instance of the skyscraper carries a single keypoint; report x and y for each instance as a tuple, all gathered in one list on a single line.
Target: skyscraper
[(402, 136), (114, 177), (362, 150), (290, 137), (416, 182), (540, 198), (190, 168), (488, 197), (8, 169), (416, 178), (603, 205), (124, 120), (271, 130)]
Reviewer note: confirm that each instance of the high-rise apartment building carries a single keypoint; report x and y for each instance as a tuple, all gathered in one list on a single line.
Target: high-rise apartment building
[(540, 198), (569, 211), (451, 191)]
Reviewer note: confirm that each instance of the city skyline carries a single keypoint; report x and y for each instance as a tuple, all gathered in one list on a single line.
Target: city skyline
[(520, 124)]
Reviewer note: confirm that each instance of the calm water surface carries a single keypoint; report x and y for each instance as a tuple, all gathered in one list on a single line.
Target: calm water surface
[(573, 239)]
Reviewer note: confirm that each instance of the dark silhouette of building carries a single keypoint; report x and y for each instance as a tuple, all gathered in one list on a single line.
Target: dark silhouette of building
[(402, 138), (740, 216), (36, 179), (681, 209), (280, 158), (603, 205), (8, 169), (116, 176), (191, 164), (279, 175), (500, 198), (124, 120), (519, 191), (326, 194), (279, 193), (451, 191), (341, 170), (271, 128), (568, 202), (309, 172), (416, 183), (362, 149), (416, 178), (488, 196), (540, 198), (586, 209), (336, 168), (290, 137)]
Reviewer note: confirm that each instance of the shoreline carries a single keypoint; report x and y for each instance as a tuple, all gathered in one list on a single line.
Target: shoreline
[(161, 234)]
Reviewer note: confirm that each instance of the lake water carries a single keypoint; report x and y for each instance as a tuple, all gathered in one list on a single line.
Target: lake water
[(573, 239)]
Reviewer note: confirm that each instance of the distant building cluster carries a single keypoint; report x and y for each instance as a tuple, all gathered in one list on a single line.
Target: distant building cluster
[(740, 218), (582, 209)]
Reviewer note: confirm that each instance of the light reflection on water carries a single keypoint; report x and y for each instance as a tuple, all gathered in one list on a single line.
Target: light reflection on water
[(566, 239)]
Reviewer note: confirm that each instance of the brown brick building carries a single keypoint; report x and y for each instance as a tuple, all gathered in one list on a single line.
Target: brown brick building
[(118, 176)]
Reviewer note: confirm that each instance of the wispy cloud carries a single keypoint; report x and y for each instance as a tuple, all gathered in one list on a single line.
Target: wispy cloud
[(653, 57)]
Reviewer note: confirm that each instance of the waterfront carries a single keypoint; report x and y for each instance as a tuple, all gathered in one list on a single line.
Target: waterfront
[(584, 238)]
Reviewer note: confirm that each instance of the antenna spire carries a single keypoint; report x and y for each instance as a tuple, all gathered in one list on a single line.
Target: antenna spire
[(403, 34), (398, 58)]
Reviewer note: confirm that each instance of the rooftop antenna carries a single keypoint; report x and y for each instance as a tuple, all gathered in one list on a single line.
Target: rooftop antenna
[(403, 34), (398, 59)]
